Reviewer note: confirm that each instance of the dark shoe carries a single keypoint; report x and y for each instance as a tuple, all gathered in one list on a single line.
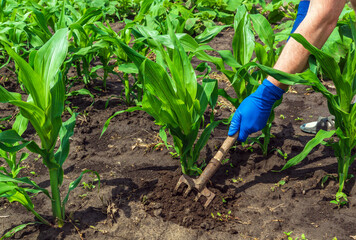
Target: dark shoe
[(325, 123)]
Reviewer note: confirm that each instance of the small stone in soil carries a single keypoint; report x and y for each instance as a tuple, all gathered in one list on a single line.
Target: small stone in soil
[(276, 225), (233, 230), (187, 220), (157, 212), (206, 225)]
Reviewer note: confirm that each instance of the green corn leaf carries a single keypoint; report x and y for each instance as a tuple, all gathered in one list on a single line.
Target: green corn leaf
[(17, 229), (37, 118), (30, 79), (211, 91), (223, 93), (6, 96), (209, 33), (128, 68), (82, 91), (75, 183), (205, 94), (88, 15), (6, 187), (3, 169), (67, 130), (243, 41), (263, 29), (328, 64), (10, 136), (203, 139), (24, 180), (134, 56), (33, 147), (23, 157), (19, 195), (61, 22), (261, 54), (80, 35), (190, 23), (186, 41), (13, 148), (337, 45), (42, 23), (182, 71), (20, 124), (48, 61), (115, 114), (319, 138), (163, 136), (57, 106), (158, 82), (286, 78), (353, 29), (162, 114), (229, 59), (145, 6), (218, 62)]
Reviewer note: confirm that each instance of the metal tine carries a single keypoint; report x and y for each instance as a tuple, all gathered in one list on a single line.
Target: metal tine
[(189, 189), (208, 200), (197, 197), (179, 183), (177, 187)]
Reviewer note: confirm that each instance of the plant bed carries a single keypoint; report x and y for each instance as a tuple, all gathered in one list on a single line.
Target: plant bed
[(136, 199), (138, 175)]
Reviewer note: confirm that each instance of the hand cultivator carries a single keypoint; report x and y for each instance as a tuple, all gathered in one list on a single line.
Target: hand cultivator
[(199, 184)]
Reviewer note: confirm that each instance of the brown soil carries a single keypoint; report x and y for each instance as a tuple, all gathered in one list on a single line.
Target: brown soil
[(136, 199)]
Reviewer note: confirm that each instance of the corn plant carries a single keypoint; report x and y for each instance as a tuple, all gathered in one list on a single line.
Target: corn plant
[(245, 82), (43, 109), (175, 99), (267, 55), (339, 104), (9, 148)]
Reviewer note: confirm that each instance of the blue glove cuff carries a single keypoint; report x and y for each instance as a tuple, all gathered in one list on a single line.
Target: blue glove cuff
[(302, 12), (272, 90), (303, 7)]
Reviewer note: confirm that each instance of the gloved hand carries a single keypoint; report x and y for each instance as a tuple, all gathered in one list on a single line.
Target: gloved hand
[(253, 113)]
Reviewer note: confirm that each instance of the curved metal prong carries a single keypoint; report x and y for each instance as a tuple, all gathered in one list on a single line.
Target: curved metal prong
[(175, 191), (197, 197), (187, 191), (209, 196)]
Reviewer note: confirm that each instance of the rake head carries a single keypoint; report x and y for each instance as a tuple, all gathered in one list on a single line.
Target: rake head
[(191, 183)]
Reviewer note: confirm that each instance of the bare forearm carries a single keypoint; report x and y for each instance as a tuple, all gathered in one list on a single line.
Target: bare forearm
[(316, 28)]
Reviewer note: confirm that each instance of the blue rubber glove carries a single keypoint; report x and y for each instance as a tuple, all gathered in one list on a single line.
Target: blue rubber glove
[(253, 113)]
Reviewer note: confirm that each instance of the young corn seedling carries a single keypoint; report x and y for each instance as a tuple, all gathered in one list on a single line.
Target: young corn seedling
[(43, 108), (11, 189), (175, 99), (340, 105)]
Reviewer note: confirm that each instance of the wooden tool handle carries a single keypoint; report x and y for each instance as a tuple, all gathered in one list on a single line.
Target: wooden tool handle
[(215, 162), (229, 141)]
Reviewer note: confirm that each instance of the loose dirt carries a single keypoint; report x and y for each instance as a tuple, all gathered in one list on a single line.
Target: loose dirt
[(138, 175)]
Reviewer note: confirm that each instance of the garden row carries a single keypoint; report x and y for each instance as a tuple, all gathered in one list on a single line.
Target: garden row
[(152, 55)]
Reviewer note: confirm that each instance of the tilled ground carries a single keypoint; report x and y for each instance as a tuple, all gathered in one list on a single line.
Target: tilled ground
[(136, 199)]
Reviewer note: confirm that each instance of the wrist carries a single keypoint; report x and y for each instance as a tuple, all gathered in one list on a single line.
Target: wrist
[(278, 84)]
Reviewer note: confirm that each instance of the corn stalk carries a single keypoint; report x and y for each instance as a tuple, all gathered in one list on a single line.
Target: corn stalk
[(43, 108)]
